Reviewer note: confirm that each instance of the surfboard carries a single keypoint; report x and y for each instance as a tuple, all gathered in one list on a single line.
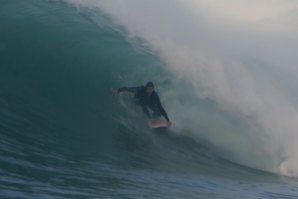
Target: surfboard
[(158, 123)]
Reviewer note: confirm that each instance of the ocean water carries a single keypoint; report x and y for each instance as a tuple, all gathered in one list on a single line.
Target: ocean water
[(227, 81)]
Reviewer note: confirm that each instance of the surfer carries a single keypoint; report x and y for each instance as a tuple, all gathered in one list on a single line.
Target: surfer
[(146, 97)]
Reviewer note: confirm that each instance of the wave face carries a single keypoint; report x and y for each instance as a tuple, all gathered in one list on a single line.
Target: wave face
[(231, 99)]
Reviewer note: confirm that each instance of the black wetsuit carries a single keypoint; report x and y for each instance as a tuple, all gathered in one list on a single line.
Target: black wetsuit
[(146, 101)]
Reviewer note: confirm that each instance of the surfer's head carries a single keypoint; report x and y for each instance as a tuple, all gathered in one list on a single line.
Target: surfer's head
[(149, 88)]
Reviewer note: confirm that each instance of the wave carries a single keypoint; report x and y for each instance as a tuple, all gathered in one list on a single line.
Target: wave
[(56, 103), (232, 72)]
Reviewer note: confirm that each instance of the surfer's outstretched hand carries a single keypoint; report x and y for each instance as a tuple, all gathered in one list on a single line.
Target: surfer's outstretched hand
[(115, 91)]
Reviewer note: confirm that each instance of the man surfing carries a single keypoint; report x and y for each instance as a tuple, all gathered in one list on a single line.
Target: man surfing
[(147, 98)]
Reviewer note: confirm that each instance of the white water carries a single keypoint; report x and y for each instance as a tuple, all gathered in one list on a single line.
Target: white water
[(240, 55)]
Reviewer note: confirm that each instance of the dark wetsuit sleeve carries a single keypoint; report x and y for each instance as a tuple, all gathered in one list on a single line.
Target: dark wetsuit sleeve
[(129, 89), (160, 108)]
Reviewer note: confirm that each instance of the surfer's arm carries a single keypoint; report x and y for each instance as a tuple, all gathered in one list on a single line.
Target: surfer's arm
[(128, 89), (161, 109), (164, 113)]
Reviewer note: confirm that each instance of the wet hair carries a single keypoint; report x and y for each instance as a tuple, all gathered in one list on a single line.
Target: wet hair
[(149, 84)]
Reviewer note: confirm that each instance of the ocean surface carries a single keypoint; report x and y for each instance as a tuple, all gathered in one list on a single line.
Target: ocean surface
[(232, 102)]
